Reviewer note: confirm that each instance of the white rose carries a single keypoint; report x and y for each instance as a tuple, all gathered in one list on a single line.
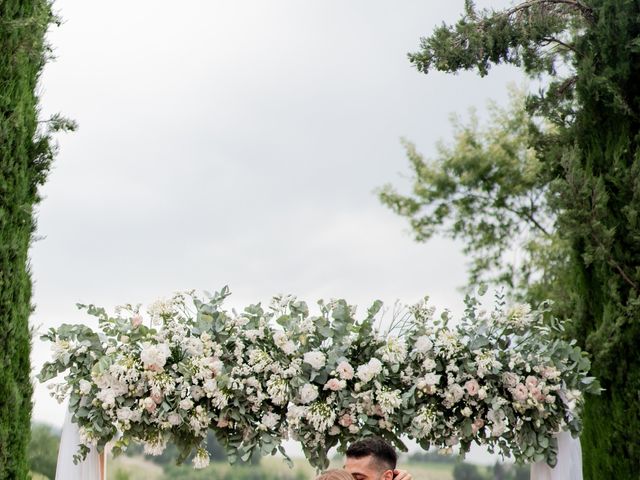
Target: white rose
[(308, 393), (136, 415), (369, 370), (453, 394), (107, 398), (84, 386), (124, 414), (316, 359), (186, 404), (423, 344), (269, 420), (197, 392), (510, 379), (289, 348), (496, 417), (295, 412), (429, 364), (497, 428), (432, 378), (210, 387), (174, 419), (154, 357), (482, 393)]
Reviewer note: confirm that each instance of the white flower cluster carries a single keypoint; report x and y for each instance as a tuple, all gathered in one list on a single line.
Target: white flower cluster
[(262, 376)]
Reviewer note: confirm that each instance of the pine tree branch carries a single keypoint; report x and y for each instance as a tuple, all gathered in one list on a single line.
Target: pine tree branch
[(585, 10), (615, 265), (600, 243), (529, 216), (624, 275), (522, 214), (561, 43)]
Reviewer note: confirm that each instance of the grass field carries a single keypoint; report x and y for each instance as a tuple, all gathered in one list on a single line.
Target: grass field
[(134, 467)]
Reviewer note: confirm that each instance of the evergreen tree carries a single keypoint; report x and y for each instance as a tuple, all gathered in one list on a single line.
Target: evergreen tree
[(589, 50), (26, 151)]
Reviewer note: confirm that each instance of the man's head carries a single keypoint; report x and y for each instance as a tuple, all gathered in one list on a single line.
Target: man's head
[(371, 459)]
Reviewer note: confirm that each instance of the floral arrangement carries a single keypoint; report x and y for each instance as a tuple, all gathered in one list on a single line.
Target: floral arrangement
[(503, 378)]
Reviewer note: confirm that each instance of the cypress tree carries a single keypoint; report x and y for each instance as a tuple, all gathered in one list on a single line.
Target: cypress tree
[(26, 152), (590, 52)]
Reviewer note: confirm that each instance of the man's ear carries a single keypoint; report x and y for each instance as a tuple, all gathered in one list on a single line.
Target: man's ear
[(388, 475)]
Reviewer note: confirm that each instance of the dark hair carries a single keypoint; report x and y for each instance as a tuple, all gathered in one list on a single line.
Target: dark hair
[(380, 450)]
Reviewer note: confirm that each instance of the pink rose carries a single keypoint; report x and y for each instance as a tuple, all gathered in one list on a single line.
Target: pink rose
[(136, 320), (472, 387), (157, 396), (149, 404), (477, 424), (345, 420), (334, 385), (537, 394), (345, 370), (223, 423), (531, 381), (520, 392)]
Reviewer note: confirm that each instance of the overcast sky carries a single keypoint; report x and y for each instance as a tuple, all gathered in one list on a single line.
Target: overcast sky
[(239, 142)]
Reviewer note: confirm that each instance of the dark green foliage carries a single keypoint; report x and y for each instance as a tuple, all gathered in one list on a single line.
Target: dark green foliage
[(170, 454), (467, 471), (503, 471), (431, 457), (43, 450), (589, 150), (25, 155)]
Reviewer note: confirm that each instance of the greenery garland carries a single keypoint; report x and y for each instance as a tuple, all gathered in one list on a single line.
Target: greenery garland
[(502, 378)]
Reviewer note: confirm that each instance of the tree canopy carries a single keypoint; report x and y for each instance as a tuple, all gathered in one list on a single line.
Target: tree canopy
[(573, 166)]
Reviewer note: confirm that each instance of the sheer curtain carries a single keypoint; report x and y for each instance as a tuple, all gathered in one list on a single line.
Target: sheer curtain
[(569, 466), (89, 469)]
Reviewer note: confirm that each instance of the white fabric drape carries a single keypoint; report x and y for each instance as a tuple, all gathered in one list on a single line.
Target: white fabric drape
[(569, 466), (89, 469)]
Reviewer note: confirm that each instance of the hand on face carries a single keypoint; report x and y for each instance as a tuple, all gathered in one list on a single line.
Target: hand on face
[(401, 475)]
